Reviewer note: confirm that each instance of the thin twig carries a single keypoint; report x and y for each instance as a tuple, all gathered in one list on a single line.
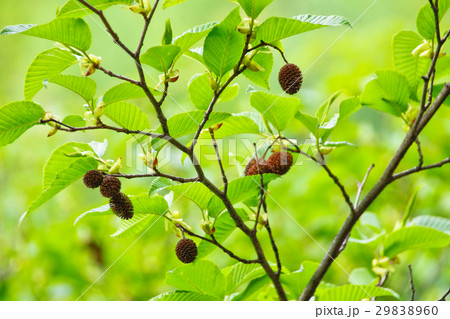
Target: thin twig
[(274, 248), (219, 160), (361, 185), (262, 198), (419, 152), (262, 44), (145, 29), (419, 169), (114, 75), (411, 283), (157, 174), (444, 297)]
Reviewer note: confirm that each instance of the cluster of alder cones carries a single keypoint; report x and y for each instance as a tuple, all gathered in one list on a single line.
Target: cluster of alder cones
[(278, 163), (110, 188)]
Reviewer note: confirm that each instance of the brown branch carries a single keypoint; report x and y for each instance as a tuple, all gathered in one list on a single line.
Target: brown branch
[(274, 248), (361, 185), (222, 171), (419, 169), (157, 174), (145, 29), (419, 152), (411, 283), (444, 297), (263, 44), (114, 75)]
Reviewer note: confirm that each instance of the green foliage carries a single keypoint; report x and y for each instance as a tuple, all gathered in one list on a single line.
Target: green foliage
[(16, 118), (168, 34), (354, 293), (425, 21), (192, 36), (169, 3), (127, 115), (253, 7), (123, 91), (83, 86), (161, 57), (74, 9), (201, 93), (239, 274), (196, 192), (261, 77), (181, 295), (223, 45), (241, 123)]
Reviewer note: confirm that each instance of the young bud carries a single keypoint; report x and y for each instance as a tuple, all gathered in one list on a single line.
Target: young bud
[(150, 160), (141, 7), (252, 65), (216, 126), (213, 83), (424, 46), (89, 65), (90, 119), (116, 167), (325, 150), (207, 226)]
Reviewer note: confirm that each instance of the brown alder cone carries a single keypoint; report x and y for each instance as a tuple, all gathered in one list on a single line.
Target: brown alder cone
[(186, 250), (122, 206), (280, 162), (93, 178), (252, 167), (290, 78), (110, 186)]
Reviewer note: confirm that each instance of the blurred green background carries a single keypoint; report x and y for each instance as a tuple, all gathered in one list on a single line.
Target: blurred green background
[(47, 258)]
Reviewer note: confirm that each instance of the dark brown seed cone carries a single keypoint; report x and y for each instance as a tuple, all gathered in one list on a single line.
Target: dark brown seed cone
[(110, 186), (122, 206), (252, 167), (93, 179), (186, 250), (290, 78), (280, 162)]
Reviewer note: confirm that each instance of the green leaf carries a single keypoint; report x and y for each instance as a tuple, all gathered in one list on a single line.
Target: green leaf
[(196, 192), (168, 34), (169, 3), (61, 171), (240, 123), (443, 67), (354, 293), (242, 273), (202, 277), (72, 32), (16, 118), (388, 92), (296, 281), (74, 9), (83, 86), (45, 66), (127, 115), (362, 276), (161, 57), (181, 295), (414, 237), (277, 28), (349, 106), (124, 91), (322, 111), (224, 45), (99, 211), (310, 122), (192, 36), (410, 207), (201, 93), (435, 222), (253, 287), (413, 67), (278, 110), (261, 78), (238, 191), (438, 88), (224, 226), (135, 225), (425, 21), (159, 183), (74, 120), (254, 7)]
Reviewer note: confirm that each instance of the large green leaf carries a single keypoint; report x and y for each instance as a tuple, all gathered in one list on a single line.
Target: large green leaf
[(255, 286), (296, 281), (413, 67), (182, 295), (349, 106), (435, 222), (161, 57), (168, 3), (262, 77), (224, 45), (83, 86), (16, 118), (278, 110), (45, 66), (73, 32), (201, 93), (240, 273), (135, 225), (240, 123), (74, 9), (425, 21), (202, 277), (362, 276), (158, 184), (414, 237), (197, 192), (354, 293), (62, 170), (192, 36), (309, 121), (277, 28), (443, 67), (224, 226), (254, 7), (124, 91), (127, 116), (238, 191), (388, 92)]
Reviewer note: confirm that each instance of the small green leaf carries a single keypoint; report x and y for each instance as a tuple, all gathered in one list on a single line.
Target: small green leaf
[(435, 222), (277, 28), (322, 111), (161, 57), (83, 86), (201, 93), (72, 32), (414, 237), (192, 36), (202, 277), (169, 3), (45, 66), (74, 120), (253, 287), (197, 192), (310, 122), (443, 67), (242, 273), (168, 34), (181, 295), (159, 183), (124, 91), (74, 9), (413, 67), (354, 293), (362, 276), (127, 115), (388, 92), (61, 171), (425, 21), (349, 106), (224, 45), (261, 78), (410, 207), (278, 110), (240, 123), (16, 118), (253, 8), (296, 281)]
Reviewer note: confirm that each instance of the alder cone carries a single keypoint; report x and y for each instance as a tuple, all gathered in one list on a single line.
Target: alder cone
[(93, 178), (280, 162), (252, 167), (110, 186), (122, 206), (290, 78), (186, 250)]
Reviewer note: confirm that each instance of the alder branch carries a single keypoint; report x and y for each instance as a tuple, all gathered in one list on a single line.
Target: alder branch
[(145, 29), (222, 171), (419, 169), (444, 297), (157, 174), (361, 185), (263, 44), (411, 283), (114, 75)]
